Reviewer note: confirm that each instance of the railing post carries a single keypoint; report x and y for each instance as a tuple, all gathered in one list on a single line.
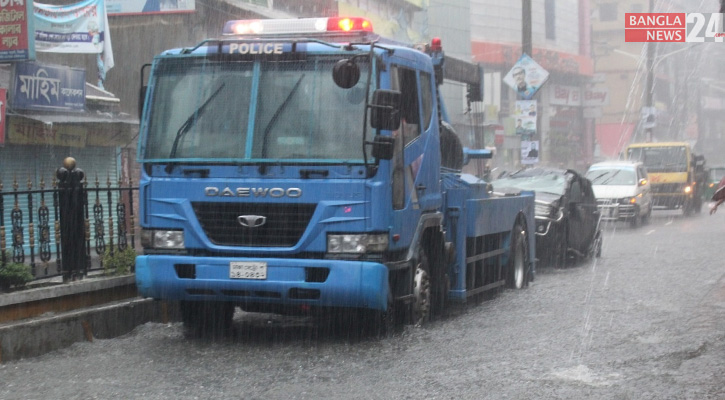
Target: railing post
[(72, 235)]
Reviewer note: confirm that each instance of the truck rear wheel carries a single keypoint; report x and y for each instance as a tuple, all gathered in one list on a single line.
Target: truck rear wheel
[(205, 318), (517, 274)]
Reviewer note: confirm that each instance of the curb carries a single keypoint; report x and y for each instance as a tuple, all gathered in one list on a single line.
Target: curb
[(34, 337)]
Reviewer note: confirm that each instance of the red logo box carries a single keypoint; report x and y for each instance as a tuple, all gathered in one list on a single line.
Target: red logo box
[(655, 27)]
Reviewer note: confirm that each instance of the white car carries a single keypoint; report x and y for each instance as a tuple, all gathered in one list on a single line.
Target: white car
[(623, 191)]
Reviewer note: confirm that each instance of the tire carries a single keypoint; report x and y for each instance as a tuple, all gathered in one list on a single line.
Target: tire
[(204, 318), (687, 208), (635, 221), (421, 310), (440, 283), (596, 251), (385, 323), (561, 258), (646, 217), (517, 274)]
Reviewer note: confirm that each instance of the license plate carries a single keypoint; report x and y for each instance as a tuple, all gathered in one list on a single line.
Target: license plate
[(247, 270)]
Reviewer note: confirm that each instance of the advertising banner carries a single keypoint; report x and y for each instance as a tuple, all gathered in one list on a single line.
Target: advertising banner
[(526, 77), (76, 28), (116, 7), (525, 115), (46, 87), (17, 41), (529, 152)]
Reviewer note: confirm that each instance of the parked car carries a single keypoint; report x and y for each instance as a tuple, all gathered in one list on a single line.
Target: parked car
[(567, 216), (623, 191), (714, 176)]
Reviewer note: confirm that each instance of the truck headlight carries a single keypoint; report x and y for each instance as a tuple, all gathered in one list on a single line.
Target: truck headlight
[(357, 243), (162, 239)]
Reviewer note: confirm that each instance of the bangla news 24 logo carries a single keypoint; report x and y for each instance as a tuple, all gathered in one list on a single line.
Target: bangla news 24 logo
[(674, 27)]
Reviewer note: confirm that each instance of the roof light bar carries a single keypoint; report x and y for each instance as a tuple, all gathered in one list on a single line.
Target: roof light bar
[(296, 27)]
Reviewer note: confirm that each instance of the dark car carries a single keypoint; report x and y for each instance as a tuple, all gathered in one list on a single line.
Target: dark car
[(567, 217)]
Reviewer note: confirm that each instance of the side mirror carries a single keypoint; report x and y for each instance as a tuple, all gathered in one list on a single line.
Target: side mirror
[(642, 182), (385, 110), (345, 73), (383, 147)]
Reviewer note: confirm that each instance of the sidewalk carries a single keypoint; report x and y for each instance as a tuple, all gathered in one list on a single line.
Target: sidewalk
[(54, 315)]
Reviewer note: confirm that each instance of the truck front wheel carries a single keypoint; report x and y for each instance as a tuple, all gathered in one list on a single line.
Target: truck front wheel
[(204, 318), (421, 290)]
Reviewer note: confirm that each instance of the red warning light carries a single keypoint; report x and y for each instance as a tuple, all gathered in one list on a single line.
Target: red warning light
[(435, 44)]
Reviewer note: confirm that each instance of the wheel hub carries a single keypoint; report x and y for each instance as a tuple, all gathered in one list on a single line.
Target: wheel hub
[(421, 308)]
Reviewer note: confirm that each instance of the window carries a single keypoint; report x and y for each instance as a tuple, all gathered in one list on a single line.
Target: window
[(407, 83), (550, 19), (608, 12), (426, 94)]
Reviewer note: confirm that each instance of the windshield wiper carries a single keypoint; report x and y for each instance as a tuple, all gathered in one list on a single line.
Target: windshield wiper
[(610, 177), (186, 126), (594, 180), (275, 117)]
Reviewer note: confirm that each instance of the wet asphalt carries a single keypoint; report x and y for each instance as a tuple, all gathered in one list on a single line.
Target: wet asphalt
[(644, 321)]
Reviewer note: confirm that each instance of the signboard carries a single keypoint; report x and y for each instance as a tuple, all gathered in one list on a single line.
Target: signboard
[(561, 95), (21, 131), (76, 28), (596, 97), (17, 31), (116, 7), (526, 77), (3, 107), (648, 117), (525, 116), (46, 87), (529, 152)]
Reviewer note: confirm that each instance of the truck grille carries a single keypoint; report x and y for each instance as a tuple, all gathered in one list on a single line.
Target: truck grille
[(667, 188), (285, 223)]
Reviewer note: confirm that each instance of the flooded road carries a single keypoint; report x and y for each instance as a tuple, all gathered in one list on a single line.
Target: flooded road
[(645, 321)]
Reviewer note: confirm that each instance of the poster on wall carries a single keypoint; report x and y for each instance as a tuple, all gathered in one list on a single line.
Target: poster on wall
[(17, 40), (526, 77), (529, 152), (131, 7), (525, 116)]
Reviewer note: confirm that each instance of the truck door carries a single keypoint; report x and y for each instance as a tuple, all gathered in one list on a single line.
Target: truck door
[(415, 172)]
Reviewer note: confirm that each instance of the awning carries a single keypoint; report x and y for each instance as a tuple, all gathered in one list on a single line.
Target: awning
[(72, 130)]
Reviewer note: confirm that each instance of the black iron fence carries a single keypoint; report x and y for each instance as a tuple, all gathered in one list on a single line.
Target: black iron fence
[(66, 229)]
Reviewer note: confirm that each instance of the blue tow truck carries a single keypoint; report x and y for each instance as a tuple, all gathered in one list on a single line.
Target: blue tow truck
[(307, 166)]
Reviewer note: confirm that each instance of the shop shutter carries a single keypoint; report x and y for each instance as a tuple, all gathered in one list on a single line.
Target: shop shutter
[(24, 162)]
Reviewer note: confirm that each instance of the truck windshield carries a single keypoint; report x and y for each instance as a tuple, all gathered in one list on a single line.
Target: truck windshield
[(277, 111), (660, 159)]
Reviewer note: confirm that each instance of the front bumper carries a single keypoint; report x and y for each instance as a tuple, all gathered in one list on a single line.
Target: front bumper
[(618, 212), (289, 282)]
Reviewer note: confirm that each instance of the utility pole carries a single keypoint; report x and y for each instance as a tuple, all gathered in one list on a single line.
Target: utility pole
[(649, 95), (526, 46)]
